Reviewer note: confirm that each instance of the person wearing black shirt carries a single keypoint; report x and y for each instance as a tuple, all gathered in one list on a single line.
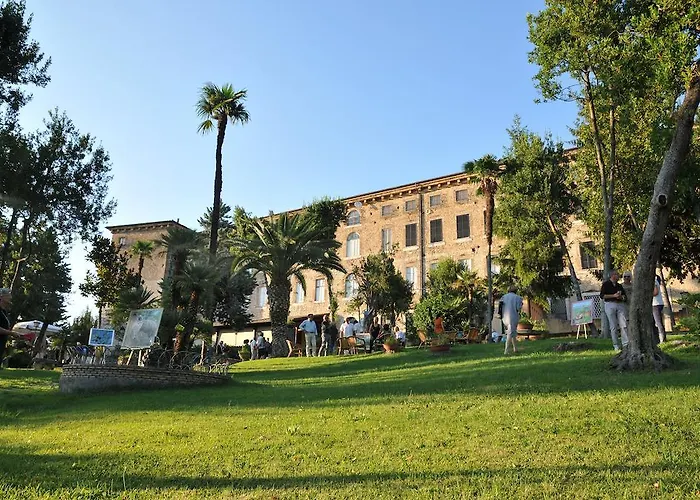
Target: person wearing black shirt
[(5, 331), (374, 331), (615, 298)]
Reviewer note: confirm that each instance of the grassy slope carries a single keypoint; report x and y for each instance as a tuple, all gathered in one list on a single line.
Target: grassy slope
[(412, 425)]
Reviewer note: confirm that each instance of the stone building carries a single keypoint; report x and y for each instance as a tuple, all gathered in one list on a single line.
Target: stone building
[(424, 222), (156, 267)]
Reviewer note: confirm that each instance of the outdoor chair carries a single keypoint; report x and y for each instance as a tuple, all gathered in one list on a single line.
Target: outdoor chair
[(424, 340), (352, 344), (473, 337), (294, 349), (451, 336)]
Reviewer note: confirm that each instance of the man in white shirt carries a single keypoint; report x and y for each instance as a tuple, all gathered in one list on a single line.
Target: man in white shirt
[(310, 330), (511, 304), (346, 329)]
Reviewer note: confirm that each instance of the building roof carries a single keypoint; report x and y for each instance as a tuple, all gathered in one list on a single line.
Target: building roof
[(145, 225)]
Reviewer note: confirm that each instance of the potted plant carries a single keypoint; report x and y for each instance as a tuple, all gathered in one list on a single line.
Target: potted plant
[(524, 324), (439, 343), (391, 344)]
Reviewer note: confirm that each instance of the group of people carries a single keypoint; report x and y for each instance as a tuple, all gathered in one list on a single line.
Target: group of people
[(617, 297), (329, 334)]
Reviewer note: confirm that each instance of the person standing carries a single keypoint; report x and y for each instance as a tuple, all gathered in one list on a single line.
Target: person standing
[(510, 306), (374, 331), (615, 297), (400, 336), (629, 290), (310, 330), (325, 336), (657, 303), (332, 335), (346, 328), (5, 326)]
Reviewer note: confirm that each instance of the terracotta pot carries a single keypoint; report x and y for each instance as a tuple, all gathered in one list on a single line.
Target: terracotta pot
[(524, 327)]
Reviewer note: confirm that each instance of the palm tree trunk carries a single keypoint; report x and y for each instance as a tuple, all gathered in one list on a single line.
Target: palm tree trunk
[(141, 261), (218, 184), (490, 202), (278, 297)]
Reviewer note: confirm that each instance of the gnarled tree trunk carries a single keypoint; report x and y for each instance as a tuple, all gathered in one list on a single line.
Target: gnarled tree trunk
[(641, 352)]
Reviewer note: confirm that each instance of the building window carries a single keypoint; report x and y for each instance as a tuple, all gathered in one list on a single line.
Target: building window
[(320, 293), (411, 276), (411, 206), (411, 235), (466, 264), (122, 240), (386, 240), (299, 297), (588, 260), (435, 200), (461, 195), (463, 226), (387, 210), (262, 296), (353, 218), (495, 268), (433, 266), (351, 286), (352, 248), (435, 230)]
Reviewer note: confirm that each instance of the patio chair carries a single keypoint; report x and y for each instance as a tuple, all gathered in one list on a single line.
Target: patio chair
[(424, 340), (294, 349), (473, 337), (353, 344)]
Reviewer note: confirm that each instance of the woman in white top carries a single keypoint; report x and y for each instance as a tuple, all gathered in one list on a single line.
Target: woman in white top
[(657, 303)]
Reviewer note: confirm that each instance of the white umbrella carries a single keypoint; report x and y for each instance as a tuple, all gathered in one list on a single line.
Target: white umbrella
[(34, 327)]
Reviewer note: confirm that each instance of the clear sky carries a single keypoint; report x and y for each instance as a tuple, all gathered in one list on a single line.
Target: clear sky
[(344, 96)]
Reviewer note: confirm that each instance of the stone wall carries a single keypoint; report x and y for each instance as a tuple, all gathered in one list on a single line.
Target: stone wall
[(94, 378)]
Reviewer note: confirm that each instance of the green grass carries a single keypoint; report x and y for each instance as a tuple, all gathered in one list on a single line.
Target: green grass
[(472, 423)]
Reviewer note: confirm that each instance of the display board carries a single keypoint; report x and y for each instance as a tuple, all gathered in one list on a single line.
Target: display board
[(100, 336), (142, 328), (582, 312)]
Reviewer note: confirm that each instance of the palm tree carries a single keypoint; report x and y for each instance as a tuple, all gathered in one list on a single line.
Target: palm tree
[(280, 248), (486, 171), (142, 250), (196, 282), (219, 105), (178, 244)]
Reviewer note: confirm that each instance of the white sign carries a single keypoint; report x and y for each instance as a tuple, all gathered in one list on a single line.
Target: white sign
[(142, 328)]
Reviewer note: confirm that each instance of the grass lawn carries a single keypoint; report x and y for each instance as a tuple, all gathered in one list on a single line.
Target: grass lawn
[(471, 423)]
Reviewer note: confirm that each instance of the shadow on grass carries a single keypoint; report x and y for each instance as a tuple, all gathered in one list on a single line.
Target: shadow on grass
[(469, 370), (21, 468)]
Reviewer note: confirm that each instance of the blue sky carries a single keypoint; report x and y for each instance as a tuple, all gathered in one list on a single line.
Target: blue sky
[(344, 96)]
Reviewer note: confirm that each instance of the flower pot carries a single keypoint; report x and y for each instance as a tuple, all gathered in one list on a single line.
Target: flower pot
[(440, 348), (524, 327)]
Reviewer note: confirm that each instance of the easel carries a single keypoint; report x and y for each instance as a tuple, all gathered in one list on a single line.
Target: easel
[(585, 330), (139, 361)]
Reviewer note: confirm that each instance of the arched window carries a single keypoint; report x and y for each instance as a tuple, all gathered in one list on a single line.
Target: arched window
[(352, 248), (351, 286), (353, 218)]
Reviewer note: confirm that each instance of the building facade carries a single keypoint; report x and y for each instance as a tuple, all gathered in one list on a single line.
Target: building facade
[(422, 222), (156, 267)]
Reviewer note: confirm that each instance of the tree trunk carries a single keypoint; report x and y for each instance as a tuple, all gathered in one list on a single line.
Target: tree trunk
[(278, 299), (641, 351), (38, 350), (598, 143), (182, 338), (9, 232), (565, 250), (141, 261), (218, 183), (25, 252), (664, 290), (490, 203)]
